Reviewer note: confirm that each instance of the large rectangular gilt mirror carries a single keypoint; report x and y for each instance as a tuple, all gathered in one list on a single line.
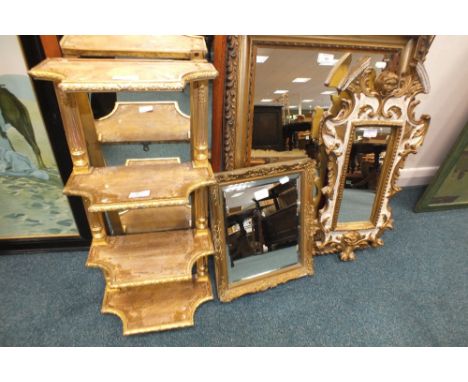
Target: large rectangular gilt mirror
[(261, 219), (279, 87)]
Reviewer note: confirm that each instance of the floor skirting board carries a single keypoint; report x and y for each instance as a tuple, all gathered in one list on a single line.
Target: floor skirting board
[(416, 176)]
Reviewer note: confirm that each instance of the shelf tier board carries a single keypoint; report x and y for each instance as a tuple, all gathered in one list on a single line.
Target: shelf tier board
[(144, 122), (129, 187), (149, 46), (122, 75), (157, 307), (150, 258), (156, 219)]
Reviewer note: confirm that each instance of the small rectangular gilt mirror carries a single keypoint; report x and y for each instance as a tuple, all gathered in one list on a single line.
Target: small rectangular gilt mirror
[(261, 221)]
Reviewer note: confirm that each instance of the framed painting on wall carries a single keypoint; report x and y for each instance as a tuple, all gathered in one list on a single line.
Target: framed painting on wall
[(449, 188), (34, 162)]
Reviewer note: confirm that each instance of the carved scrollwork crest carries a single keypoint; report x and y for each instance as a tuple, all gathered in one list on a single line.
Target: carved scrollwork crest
[(377, 99)]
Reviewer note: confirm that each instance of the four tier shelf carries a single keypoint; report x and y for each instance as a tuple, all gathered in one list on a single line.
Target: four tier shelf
[(154, 257)]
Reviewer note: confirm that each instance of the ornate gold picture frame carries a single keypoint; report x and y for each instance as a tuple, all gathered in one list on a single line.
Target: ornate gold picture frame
[(306, 174)]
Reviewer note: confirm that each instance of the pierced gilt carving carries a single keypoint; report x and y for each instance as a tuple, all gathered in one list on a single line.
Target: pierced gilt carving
[(367, 98)]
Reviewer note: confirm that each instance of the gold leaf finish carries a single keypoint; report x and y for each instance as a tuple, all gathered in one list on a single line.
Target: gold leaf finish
[(370, 99), (153, 254), (119, 75), (144, 122), (157, 307), (308, 226), (150, 258), (148, 46), (111, 188), (156, 219)]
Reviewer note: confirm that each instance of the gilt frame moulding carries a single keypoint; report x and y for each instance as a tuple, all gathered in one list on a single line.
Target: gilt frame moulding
[(240, 78), (366, 98), (308, 226)]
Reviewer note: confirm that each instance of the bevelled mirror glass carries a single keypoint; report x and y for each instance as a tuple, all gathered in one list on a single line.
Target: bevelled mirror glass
[(261, 219), (262, 226), (365, 161)]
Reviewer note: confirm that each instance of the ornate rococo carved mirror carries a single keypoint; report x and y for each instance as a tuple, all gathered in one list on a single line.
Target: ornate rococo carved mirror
[(367, 134), (263, 220)]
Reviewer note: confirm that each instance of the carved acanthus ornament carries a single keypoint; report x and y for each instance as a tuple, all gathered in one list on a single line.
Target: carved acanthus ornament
[(367, 98)]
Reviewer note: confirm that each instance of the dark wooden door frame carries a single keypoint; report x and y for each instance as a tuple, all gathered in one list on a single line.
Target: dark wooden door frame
[(219, 61)]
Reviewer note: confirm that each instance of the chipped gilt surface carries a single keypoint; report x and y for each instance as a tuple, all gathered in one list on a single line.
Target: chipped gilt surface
[(119, 188), (150, 258), (157, 307), (118, 75), (144, 122), (148, 46), (156, 219)]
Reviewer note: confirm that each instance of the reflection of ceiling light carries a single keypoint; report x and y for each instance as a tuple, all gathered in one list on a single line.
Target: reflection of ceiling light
[(307, 100), (284, 179), (237, 194), (258, 274), (266, 100), (261, 194), (325, 59), (328, 92), (301, 79), (293, 107), (280, 91), (262, 59), (237, 187), (380, 64)]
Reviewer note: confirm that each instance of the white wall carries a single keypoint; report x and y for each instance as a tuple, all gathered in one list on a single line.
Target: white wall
[(447, 104)]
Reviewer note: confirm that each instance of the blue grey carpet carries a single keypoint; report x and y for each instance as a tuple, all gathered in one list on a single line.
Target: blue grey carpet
[(411, 292)]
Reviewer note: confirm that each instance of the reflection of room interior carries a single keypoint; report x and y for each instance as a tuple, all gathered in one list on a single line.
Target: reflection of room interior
[(364, 167), (289, 84), (366, 157), (261, 220)]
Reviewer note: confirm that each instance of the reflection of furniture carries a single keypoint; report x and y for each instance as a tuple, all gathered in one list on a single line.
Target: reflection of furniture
[(149, 280), (281, 228), (279, 224), (242, 244), (267, 128), (290, 130), (359, 161)]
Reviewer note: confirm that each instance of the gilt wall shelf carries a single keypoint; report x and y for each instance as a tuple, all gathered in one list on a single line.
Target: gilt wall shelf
[(153, 256)]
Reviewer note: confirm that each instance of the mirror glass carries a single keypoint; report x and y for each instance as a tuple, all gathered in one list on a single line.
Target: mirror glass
[(262, 226), (365, 163), (289, 84)]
